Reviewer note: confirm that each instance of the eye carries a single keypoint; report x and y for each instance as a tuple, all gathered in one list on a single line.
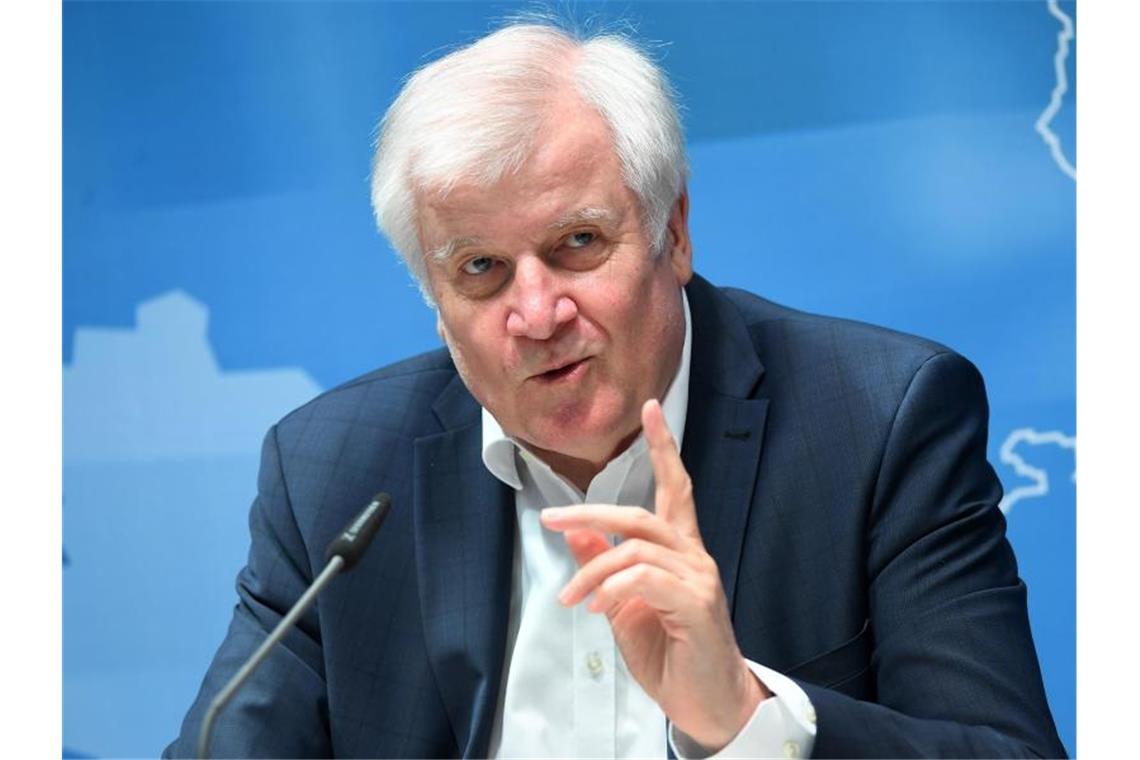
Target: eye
[(479, 265), (580, 239)]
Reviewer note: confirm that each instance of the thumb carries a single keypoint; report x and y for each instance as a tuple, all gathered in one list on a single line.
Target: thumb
[(586, 544)]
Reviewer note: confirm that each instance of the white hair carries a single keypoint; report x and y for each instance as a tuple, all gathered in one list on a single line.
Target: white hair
[(472, 116)]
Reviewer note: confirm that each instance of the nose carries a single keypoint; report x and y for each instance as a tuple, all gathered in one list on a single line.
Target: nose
[(539, 305)]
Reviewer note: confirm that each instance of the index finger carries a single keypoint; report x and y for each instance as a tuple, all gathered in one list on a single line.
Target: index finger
[(674, 495), (627, 522)]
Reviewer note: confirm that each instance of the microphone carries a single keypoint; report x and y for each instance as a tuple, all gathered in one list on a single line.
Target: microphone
[(342, 554)]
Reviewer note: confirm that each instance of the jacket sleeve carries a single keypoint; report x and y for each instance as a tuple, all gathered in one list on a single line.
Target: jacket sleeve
[(953, 665), (282, 710)]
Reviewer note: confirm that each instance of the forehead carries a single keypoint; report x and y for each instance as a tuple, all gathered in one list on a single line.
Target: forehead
[(572, 172)]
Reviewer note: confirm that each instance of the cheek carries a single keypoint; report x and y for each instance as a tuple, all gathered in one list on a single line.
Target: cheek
[(478, 357), (646, 326), (633, 318)]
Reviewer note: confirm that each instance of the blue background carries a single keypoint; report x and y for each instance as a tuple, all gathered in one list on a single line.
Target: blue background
[(873, 160)]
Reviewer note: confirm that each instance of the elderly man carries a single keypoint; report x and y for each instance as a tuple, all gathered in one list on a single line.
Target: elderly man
[(634, 514)]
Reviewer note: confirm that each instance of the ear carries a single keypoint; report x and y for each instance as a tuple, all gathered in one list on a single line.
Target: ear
[(678, 246), (439, 328)]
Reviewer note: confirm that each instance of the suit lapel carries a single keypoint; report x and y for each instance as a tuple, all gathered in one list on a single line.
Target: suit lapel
[(723, 466), (724, 427), (464, 533)]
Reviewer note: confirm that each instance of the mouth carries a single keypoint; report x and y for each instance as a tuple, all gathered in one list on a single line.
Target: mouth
[(564, 372)]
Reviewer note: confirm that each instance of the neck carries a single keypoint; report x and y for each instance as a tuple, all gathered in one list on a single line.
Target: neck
[(581, 471)]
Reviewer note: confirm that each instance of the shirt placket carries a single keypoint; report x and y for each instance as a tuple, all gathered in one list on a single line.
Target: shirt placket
[(595, 652), (594, 718)]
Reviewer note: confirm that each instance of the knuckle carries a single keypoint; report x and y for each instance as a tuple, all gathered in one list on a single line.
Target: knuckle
[(707, 593), (638, 548), (633, 549), (604, 588), (709, 567), (640, 574), (708, 600)]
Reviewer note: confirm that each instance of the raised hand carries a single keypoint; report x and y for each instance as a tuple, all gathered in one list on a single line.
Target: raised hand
[(661, 591)]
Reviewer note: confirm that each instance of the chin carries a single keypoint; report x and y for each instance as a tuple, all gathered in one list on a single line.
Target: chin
[(594, 440)]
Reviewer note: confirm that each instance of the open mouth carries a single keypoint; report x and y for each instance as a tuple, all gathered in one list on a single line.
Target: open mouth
[(562, 372)]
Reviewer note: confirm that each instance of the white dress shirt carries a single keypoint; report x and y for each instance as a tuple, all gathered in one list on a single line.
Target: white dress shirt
[(565, 689)]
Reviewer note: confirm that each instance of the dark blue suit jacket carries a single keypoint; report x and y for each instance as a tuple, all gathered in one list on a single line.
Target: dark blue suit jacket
[(842, 487)]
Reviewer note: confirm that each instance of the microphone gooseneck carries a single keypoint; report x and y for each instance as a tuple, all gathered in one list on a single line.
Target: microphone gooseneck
[(342, 554)]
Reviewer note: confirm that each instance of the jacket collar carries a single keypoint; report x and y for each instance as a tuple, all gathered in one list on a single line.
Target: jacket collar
[(464, 542), (725, 428)]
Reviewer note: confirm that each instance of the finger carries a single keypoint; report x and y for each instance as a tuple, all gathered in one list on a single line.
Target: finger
[(585, 545), (627, 522), (660, 589), (685, 601), (674, 494), (627, 554)]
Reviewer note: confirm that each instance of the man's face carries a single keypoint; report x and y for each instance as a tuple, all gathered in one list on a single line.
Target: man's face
[(560, 320)]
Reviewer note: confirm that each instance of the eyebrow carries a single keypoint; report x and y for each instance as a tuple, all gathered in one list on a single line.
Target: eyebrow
[(440, 254), (588, 214)]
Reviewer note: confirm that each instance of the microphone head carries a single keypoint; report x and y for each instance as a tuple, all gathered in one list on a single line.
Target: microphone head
[(351, 544)]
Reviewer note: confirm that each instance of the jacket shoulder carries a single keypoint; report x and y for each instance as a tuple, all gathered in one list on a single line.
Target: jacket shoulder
[(779, 330), (822, 369), (397, 397)]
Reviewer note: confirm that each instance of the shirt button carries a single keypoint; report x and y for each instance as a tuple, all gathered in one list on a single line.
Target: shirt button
[(791, 749), (809, 713), (595, 666)]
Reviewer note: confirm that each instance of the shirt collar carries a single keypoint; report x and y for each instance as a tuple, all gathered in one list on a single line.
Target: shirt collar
[(499, 448)]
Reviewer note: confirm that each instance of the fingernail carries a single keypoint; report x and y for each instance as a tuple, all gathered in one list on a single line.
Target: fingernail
[(551, 513)]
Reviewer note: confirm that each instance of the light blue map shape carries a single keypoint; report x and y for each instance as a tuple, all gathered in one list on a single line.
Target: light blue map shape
[(161, 454)]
